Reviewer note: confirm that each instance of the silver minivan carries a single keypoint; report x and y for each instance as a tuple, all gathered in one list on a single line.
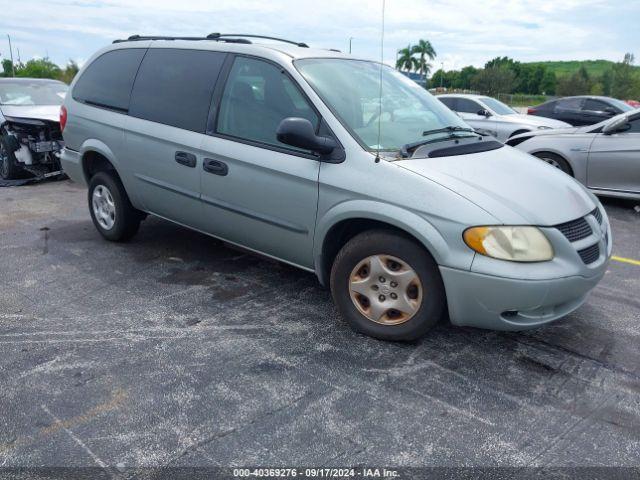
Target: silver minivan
[(339, 166)]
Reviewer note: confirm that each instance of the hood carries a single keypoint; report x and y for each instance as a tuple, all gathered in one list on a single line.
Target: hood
[(534, 121), (37, 112), (514, 187), (554, 131)]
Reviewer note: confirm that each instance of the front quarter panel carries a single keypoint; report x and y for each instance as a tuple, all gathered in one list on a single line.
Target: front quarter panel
[(359, 188)]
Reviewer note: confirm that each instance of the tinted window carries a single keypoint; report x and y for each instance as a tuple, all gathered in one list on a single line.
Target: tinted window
[(465, 105), (569, 103), (595, 105), (174, 87), (635, 125), (619, 105), (108, 80), (547, 107), (256, 98), (449, 102)]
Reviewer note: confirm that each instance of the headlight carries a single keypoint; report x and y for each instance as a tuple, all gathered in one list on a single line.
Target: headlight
[(542, 127), (516, 244)]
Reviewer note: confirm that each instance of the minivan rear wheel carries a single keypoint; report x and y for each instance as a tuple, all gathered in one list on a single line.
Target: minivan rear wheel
[(387, 286), (111, 210)]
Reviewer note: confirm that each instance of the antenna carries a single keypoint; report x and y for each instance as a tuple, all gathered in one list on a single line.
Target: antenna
[(380, 99)]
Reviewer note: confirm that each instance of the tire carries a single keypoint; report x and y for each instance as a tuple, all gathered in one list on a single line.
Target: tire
[(9, 168), (112, 213), (555, 161), (426, 294)]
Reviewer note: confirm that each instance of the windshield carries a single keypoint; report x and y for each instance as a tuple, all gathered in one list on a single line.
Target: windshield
[(497, 106), (32, 93), (623, 106), (351, 89)]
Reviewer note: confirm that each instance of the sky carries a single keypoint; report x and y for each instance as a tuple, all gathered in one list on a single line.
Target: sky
[(463, 32)]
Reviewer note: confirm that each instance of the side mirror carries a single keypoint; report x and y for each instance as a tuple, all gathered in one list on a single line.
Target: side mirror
[(299, 132), (484, 113), (616, 126)]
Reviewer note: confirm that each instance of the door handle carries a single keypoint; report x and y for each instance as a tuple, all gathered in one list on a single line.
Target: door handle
[(186, 159), (215, 166)]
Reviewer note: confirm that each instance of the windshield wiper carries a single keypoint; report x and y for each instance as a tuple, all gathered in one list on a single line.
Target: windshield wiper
[(404, 150), (450, 128)]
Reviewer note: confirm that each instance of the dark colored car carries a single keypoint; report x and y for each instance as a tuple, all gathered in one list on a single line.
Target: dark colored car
[(582, 110)]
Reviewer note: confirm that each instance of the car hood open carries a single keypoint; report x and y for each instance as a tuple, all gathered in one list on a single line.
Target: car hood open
[(514, 187), (37, 112)]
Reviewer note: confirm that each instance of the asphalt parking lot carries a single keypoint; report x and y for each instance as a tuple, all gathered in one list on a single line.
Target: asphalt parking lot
[(176, 350)]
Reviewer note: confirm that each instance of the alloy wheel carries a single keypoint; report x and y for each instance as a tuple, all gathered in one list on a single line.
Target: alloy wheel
[(551, 162)]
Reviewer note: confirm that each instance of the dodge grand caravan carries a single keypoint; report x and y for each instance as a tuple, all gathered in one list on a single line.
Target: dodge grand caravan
[(339, 166)]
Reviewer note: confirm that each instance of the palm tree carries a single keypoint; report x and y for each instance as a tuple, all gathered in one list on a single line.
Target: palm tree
[(406, 61), (425, 50)]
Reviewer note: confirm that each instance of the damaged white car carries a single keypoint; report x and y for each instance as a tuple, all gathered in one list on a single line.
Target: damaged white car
[(30, 137)]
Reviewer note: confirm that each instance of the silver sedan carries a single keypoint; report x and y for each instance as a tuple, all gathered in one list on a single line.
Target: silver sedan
[(605, 157), (491, 116)]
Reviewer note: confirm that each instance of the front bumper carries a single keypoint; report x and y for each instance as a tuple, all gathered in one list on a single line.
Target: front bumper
[(499, 303)]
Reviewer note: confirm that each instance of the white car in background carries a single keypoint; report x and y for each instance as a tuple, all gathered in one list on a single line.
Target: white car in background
[(491, 116)]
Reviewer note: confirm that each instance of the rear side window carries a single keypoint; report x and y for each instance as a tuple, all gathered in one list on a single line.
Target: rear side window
[(547, 107), (174, 87), (467, 106), (256, 98), (108, 80), (595, 105), (449, 102), (569, 104)]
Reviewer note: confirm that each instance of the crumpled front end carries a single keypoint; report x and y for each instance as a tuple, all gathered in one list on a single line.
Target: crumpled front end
[(33, 145)]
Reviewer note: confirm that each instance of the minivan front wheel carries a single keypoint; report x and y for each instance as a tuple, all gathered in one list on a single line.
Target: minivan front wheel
[(387, 286), (111, 210)]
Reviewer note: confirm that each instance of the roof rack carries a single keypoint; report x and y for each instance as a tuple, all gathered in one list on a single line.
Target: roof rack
[(216, 37), (140, 38)]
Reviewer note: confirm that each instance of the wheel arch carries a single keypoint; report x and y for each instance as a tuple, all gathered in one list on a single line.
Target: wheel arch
[(344, 222), (96, 157), (566, 158), (519, 131)]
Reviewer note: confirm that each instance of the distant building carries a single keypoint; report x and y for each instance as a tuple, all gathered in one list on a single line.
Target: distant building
[(416, 77)]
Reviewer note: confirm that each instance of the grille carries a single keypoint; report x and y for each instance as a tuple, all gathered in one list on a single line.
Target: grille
[(575, 230), (598, 214), (590, 254)]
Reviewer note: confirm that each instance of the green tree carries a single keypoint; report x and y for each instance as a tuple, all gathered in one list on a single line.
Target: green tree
[(607, 82), (70, 71), (406, 61), (463, 79), (579, 83), (40, 68), (501, 62), (548, 83), (625, 83), (7, 68), (425, 51), (597, 89), (494, 80)]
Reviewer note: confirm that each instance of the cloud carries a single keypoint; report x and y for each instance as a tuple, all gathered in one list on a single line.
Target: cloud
[(462, 31)]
